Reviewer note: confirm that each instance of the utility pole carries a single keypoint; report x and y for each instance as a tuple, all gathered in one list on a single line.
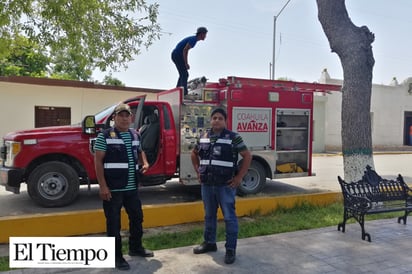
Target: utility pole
[(274, 39)]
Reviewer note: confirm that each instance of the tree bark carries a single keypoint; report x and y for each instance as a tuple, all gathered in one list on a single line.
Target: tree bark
[(353, 46)]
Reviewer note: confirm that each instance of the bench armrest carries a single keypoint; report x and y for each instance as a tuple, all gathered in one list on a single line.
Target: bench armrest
[(408, 190), (360, 204)]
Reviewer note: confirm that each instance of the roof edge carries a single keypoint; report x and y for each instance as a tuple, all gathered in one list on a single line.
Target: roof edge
[(70, 83)]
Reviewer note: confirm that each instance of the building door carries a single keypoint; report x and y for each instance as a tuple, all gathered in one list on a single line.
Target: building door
[(407, 139)]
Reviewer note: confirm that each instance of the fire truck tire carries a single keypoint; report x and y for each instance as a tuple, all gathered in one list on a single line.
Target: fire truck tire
[(53, 184), (254, 180)]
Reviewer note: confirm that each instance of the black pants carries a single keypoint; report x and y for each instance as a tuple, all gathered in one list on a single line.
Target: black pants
[(112, 210), (181, 68)]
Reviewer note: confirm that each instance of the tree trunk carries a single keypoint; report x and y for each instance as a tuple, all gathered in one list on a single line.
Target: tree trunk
[(353, 46)]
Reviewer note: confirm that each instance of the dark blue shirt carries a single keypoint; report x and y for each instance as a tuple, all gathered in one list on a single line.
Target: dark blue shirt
[(191, 40)]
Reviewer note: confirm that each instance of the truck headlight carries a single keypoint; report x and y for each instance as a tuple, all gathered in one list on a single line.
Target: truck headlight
[(12, 149), (15, 148)]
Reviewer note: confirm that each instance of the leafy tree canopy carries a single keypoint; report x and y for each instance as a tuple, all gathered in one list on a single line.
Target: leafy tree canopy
[(112, 81), (92, 34), (25, 59)]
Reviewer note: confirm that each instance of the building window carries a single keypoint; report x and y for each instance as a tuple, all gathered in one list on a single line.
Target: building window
[(45, 116)]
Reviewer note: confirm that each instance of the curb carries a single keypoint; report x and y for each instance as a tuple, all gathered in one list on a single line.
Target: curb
[(88, 222)]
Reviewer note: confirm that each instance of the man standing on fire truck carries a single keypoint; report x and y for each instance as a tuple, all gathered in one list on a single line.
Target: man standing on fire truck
[(117, 155), (215, 159), (180, 56)]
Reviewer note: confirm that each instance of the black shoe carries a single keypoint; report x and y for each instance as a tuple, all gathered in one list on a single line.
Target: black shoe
[(204, 247), (122, 264), (230, 256), (141, 252)]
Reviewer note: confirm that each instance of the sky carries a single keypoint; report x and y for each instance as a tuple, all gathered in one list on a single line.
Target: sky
[(240, 41)]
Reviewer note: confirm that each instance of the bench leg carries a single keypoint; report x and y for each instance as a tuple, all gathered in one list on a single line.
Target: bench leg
[(361, 220), (359, 217), (366, 235), (404, 217), (342, 224)]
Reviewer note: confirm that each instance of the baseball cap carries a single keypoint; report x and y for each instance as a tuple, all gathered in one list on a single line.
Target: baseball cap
[(122, 107), (219, 110), (201, 30)]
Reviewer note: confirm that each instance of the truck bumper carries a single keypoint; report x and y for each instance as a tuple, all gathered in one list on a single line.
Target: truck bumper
[(11, 178)]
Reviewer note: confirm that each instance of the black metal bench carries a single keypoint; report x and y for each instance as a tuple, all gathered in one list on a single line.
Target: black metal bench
[(373, 194)]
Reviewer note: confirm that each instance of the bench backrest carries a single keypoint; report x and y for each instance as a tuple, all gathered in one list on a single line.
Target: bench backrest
[(375, 188)]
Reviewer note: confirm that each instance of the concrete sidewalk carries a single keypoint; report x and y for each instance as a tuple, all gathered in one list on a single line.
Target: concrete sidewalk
[(323, 250)]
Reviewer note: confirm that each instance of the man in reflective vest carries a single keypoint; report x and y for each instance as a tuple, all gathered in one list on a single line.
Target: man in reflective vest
[(117, 157), (215, 159)]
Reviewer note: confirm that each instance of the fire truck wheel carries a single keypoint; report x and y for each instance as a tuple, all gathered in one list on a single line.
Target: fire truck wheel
[(53, 184), (254, 180)]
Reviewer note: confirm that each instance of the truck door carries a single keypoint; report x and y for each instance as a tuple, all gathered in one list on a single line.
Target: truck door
[(168, 141), (138, 112), (293, 142), (158, 140)]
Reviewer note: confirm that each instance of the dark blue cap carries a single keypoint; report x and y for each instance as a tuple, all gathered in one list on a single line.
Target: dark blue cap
[(219, 110), (201, 30)]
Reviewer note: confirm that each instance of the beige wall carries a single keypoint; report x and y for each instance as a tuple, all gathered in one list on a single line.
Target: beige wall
[(388, 106), (318, 144), (18, 100)]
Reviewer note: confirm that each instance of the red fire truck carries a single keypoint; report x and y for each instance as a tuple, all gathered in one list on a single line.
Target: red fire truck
[(273, 117)]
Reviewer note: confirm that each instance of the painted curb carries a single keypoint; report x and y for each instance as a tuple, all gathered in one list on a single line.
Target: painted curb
[(87, 222)]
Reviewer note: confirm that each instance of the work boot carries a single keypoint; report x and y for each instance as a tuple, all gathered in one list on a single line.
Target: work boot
[(141, 252), (122, 264), (204, 247), (230, 256)]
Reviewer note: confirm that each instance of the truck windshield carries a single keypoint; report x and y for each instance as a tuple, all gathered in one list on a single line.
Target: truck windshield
[(100, 116)]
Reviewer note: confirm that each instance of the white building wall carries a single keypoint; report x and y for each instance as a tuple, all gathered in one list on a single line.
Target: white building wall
[(18, 101), (388, 106), (333, 120), (319, 123), (387, 126)]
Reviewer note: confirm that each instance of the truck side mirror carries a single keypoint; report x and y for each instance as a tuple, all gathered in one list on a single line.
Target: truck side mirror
[(89, 125)]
